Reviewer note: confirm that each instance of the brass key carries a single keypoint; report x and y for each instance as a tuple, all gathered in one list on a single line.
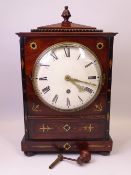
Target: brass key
[(59, 158), (84, 157)]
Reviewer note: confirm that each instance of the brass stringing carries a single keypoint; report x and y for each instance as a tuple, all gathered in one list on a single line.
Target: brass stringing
[(42, 146), (97, 146)]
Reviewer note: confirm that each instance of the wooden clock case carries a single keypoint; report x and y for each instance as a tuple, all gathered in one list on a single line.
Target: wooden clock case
[(48, 130)]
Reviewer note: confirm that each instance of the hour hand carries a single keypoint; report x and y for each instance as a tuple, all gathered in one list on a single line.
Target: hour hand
[(80, 88), (69, 78)]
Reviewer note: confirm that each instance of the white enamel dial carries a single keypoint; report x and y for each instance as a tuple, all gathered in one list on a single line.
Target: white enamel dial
[(67, 76)]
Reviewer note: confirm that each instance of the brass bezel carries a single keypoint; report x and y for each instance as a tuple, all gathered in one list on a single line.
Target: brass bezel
[(35, 70)]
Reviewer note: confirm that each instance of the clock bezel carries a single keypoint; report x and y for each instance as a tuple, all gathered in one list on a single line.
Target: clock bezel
[(59, 44)]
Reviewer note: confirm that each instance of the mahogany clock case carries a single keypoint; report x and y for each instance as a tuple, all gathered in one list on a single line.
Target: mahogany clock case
[(49, 130)]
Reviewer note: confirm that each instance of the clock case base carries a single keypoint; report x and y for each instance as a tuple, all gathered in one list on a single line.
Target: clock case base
[(31, 147)]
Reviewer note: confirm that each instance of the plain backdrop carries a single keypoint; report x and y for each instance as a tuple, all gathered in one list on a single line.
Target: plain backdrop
[(21, 16)]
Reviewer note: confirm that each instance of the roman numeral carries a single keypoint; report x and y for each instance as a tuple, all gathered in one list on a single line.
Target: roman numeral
[(88, 65), (43, 78), (54, 55), (91, 77), (80, 99), (68, 102), (46, 89), (55, 99), (88, 90), (67, 51)]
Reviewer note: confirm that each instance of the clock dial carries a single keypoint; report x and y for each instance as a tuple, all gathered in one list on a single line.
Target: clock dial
[(67, 76)]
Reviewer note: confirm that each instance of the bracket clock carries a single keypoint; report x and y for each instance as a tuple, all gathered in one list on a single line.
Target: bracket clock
[(66, 77)]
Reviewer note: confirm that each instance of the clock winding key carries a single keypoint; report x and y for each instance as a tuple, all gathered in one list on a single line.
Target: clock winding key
[(59, 158)]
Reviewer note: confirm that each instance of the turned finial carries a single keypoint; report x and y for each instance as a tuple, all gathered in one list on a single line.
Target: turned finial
[(66, 15)]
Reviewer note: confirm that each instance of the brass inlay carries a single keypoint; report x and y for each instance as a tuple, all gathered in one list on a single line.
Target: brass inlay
[(98, 107), (66, 127), (99, 45), (36, 107), (33, 45), (45, 128), (97, 146), (44, 146), (88, 128), (66, 146)]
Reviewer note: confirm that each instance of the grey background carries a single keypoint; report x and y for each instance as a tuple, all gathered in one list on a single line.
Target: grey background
[(21, 16)]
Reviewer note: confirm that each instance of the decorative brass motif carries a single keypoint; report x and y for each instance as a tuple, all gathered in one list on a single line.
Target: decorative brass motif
[(45, 128), (36, 107), (98, 107), (66, 146), (66, 127), (33, 45), (88, 128), (99, 45)]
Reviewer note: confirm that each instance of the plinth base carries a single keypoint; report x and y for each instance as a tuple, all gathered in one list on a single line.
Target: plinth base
[(31, 147)]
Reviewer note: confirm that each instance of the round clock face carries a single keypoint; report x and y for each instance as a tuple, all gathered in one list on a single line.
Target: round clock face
[(67, 76)]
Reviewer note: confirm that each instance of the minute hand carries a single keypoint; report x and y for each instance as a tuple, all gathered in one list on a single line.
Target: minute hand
[(85, 82)]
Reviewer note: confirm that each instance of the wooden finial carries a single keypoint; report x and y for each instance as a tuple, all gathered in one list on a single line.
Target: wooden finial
[(66, 15)]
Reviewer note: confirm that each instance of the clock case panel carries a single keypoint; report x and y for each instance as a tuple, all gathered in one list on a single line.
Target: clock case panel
[(36, 114), (31, 56)]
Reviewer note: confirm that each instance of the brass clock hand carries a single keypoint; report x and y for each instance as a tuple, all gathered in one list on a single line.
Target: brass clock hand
[(89, 83), (80, 88), (69, 78)]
